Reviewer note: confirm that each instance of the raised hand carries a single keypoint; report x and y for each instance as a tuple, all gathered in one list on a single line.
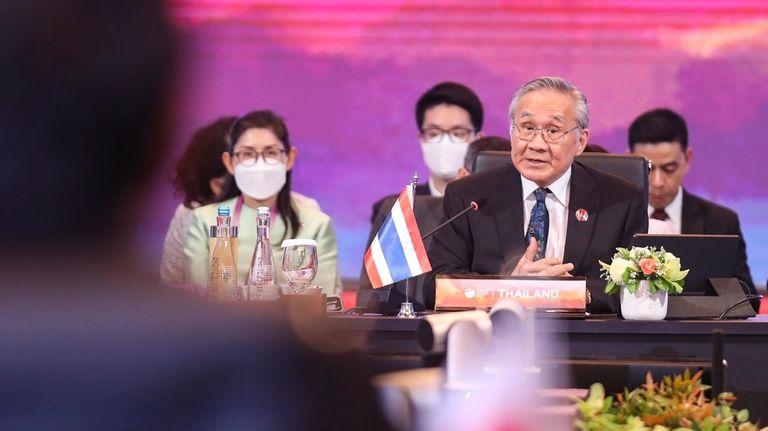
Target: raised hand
[(548, 267)]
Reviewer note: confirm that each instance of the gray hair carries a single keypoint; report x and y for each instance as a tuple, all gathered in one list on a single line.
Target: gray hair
[(558, 84)]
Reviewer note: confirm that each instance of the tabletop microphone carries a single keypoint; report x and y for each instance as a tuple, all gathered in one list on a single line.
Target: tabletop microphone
[(472, 207)]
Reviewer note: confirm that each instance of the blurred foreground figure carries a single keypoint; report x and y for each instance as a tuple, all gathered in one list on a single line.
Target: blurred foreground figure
[(87, 343)]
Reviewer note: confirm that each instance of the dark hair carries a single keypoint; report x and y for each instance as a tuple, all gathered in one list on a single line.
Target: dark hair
[(266, 120), (594, 148), (451, 93), (83, 102), (486, 143), (201, 162), (658, 125)]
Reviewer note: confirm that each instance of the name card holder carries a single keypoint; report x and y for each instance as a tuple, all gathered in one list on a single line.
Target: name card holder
[(470, 292)]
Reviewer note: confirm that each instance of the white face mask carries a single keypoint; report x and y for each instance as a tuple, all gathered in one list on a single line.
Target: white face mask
[(260, 180), (443, 156)]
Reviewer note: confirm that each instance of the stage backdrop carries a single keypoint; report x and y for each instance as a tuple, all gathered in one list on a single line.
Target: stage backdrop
[(346, 74)]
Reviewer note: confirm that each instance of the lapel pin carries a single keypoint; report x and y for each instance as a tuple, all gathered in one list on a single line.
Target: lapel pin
[(582, 214)]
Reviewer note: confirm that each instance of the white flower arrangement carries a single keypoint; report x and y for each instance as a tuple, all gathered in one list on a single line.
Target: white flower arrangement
[(630, 266)]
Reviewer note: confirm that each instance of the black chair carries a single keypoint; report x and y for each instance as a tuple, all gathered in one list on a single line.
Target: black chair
[(632, 168)]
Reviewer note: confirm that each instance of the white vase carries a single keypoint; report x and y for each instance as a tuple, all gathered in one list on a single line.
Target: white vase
[(643, 305)]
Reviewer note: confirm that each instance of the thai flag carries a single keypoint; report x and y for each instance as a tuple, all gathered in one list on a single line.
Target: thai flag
[(397, 252)]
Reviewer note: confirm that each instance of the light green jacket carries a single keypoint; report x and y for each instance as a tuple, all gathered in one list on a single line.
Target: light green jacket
[(315, 224)]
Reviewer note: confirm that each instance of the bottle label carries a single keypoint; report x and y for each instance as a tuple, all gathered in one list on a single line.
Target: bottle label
[(221, 281)]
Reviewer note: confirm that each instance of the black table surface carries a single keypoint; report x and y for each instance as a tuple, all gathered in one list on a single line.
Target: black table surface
[(394, 342)]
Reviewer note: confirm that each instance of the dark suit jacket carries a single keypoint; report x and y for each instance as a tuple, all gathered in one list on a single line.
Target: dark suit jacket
[(420, 190), (701, 216), (491, 240), (428, 211)]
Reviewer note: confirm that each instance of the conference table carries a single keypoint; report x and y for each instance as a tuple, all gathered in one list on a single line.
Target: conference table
[(605, 348)]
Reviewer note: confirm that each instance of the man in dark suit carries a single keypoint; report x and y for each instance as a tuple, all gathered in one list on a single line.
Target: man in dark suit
[(544, 215), (449, 116), (661, 136)]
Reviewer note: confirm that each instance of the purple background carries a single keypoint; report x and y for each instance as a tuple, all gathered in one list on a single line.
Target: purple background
[(346, 74)]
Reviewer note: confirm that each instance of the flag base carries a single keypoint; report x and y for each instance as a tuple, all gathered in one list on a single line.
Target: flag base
[(406, 311)]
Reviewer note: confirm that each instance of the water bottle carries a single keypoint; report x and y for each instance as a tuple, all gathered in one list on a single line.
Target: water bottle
[(222, 276), (261, 283)]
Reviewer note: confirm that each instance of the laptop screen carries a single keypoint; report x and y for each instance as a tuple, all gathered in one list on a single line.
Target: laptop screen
[(705, 255)]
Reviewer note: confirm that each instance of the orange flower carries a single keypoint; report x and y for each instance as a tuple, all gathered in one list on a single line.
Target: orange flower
[(647, 265)]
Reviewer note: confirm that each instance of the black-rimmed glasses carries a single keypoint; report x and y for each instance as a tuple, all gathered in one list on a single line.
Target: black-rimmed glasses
[(550, 134), (456, 134), (271, 156)]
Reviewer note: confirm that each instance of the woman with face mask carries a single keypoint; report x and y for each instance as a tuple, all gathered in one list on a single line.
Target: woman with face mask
[(260, 159)]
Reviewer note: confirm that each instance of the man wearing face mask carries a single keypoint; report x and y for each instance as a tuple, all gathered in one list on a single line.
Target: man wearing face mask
[(449, 116)]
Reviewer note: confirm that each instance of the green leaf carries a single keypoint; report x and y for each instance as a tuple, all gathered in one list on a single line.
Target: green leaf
[(743, 415), (653, 286), (676, 287), (706, 425), (632, 286)]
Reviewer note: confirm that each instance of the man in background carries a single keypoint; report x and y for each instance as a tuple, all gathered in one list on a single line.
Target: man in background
[(428, 212), (449, 116), (661, 136)]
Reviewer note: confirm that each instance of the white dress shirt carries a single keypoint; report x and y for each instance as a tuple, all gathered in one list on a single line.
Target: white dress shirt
[(433, 191), (672, 225), (557, 206)]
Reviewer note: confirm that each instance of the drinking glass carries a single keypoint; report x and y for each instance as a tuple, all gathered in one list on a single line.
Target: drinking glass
[(299, 263)]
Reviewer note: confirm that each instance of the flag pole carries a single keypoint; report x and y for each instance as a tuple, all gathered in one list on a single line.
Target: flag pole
[(406, 308)]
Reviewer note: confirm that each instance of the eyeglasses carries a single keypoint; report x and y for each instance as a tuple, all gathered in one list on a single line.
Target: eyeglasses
[(550, 134), (456, 135), (271, 156)]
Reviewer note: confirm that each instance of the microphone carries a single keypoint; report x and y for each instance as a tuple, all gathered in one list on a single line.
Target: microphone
[(472, 207)]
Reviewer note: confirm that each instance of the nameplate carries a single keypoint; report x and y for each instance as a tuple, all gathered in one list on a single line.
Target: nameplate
[(465, 291)]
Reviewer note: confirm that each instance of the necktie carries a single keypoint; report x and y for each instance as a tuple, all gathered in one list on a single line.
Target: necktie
[(659, 214), (538, 227)]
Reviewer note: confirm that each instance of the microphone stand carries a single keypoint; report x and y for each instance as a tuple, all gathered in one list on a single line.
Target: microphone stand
[(406, 308), (472, 207)]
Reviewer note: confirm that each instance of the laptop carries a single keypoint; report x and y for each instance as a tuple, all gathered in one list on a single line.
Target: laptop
[(705, 255)]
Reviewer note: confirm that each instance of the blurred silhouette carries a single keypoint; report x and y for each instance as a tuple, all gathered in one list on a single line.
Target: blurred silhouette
[(87, 342)]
